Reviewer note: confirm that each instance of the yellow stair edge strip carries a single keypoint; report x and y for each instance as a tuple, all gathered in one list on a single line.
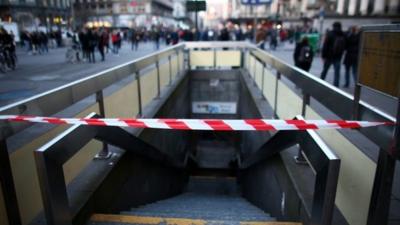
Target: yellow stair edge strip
[(171, 221)]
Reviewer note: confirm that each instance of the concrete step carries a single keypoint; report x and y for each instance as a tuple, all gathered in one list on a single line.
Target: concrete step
[(103, 219), (202, 215)]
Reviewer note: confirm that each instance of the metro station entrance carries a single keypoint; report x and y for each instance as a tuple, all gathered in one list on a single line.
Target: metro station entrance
[(115, 175)]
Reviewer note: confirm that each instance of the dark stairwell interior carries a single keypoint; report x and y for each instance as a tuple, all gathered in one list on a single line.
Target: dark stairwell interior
[(195, 177)]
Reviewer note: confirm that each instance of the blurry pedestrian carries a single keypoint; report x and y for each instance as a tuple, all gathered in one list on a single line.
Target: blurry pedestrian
[(174, 37), (44, 41), (351, 56), (84, 39), (103, 39), (156, 39), (303, 55), (132, 38), (260, 37), (273, 39), (332, 51), (93, 41), (35, 43), (115, 38), (224, 34)]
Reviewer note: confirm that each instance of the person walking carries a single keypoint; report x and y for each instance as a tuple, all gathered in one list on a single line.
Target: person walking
[(260, 37), (273, 39), (103, 39), (84, 40), (351, 57), (115, 38), (332, 51), (93, 41), (156, 39), (303, 55)]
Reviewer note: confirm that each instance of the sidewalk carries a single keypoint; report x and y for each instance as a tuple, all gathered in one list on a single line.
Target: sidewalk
[(38, 73)]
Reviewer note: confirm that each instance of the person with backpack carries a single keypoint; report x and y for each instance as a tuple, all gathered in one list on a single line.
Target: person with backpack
[(303, 55), (332, 51)]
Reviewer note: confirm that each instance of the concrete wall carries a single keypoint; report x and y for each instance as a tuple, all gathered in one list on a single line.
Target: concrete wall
[(226, 88), (267, 185), (251, 141), (145, 182), (177, 106)]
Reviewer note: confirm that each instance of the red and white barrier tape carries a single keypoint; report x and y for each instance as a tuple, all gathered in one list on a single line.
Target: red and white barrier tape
[(201, 124)]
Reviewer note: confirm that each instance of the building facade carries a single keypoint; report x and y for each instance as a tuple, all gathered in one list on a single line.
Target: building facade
[(123, 13), (36, 14), (313, 8)]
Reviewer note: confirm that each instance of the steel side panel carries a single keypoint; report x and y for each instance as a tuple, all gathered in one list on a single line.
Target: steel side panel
[(174, 66), (180, 58), (80, 160), (164, 75), (356, 175), (259, 68), (25, 174), (201, 58), (148, 86), (269, 86), (356, 171), (289, 104), (228, 58), (251, 65), (331, 96), (124, 102)]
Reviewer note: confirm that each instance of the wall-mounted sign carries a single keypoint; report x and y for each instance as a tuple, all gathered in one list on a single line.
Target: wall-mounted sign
[(214, 107), (193, 6), (379, 61), (255, 2)]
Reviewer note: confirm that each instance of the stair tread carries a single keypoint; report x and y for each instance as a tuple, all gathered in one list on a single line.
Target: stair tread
[(103, 219)]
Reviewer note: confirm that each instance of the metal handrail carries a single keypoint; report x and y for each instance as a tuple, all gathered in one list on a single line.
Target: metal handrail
[(57, 99), (51, 157), (332, 97), (321, 158)]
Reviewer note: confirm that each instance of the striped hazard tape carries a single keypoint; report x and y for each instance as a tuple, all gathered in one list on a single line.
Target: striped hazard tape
[(201, 124)]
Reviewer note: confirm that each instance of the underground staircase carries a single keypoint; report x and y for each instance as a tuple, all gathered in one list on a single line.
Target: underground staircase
[(209, 201)]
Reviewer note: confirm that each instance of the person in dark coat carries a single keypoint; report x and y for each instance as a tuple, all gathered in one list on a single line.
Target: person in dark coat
[(351, 56), (83, 38), (303, 55), (332, 52), (93, 42), (103, 38)]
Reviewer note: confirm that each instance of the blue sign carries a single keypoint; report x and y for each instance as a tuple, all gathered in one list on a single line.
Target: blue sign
[(255, 2)]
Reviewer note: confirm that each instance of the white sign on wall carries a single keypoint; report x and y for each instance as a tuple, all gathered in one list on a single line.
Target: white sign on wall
[(214, 107)]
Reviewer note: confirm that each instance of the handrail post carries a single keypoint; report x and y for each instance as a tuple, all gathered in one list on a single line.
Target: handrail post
[(104, 153), (215, 58), (178, 63), (278, 77), (188, 59), (158, 78), (356, 102), (255, 70), (262, 80), (299, 158), (139, 94), (8, 186), (170, 70)]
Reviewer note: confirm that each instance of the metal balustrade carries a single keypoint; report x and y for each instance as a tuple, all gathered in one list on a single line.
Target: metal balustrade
[(150, 74)]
